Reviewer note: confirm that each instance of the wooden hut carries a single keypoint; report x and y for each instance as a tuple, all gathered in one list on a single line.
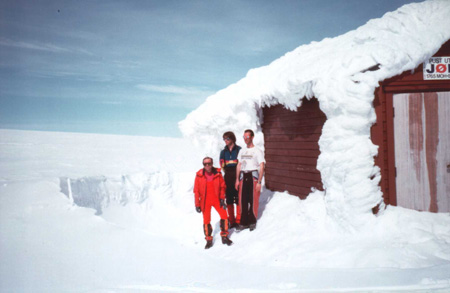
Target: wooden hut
[(371, 125), (412, 132)]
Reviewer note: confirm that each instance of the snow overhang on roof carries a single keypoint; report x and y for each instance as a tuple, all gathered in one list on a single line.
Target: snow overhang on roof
[(342, 73)]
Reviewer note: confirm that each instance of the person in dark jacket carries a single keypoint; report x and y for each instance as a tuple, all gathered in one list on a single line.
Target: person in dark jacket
[(209, 191), (228, 162)]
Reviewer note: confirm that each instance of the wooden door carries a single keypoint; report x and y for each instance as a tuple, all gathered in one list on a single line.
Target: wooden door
[(422, 150)]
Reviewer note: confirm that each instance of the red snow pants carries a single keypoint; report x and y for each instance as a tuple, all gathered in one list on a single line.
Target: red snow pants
[(212, 200)]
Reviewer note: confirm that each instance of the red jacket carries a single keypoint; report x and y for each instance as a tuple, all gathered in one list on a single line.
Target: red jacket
[(200, 187)]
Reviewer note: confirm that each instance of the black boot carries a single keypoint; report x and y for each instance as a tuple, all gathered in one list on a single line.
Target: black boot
[(209, 244), (241, 227), (226, 240), (208, 231), (224, 225)]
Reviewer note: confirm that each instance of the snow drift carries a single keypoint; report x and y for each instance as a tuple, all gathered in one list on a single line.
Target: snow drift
[(335, 71), (289, 229), (148, 236)]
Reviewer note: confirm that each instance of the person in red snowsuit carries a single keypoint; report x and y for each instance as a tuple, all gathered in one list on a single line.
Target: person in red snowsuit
[(209, 191)]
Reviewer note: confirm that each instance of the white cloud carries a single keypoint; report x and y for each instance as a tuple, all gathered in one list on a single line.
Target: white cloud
[(172, 89), (189, 97), (41, 47)]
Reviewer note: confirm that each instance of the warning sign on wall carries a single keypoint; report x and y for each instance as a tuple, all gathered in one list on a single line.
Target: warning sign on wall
[(436, 68)]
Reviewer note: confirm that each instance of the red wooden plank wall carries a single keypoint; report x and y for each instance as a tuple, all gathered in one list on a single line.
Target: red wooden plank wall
[(292, 148), (379, 135)]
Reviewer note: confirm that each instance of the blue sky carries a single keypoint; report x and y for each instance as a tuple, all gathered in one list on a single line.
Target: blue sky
[(139, 67)]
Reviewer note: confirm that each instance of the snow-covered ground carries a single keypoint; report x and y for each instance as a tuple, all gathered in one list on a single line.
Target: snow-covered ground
[(104, 213)]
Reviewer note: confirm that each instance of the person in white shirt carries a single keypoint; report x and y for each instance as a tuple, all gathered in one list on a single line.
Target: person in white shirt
[(249, 173)]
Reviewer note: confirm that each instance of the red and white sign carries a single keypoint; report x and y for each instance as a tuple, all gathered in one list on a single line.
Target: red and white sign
[(436, 68)]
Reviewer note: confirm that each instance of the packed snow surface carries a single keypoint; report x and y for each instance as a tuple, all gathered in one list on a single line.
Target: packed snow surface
[(104, 213), (342, 73)]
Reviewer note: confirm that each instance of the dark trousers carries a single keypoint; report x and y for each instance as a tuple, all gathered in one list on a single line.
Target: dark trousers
[(230, 179), (247, 216), (231, 194)]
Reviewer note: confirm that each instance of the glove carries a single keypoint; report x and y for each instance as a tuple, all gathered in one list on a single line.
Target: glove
[(223, 204), (198, 209)]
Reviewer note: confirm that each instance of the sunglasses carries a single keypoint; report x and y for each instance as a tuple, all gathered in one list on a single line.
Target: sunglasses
[(247, 136), (207, 164), (226, 138)]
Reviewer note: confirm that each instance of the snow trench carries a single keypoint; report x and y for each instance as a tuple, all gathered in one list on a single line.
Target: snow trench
[(160, 203), (98, 192)]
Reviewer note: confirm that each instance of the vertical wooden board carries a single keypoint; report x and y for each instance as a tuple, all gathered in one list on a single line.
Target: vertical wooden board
[(378, 135), (390, 147), (411, 182), (431, 145), (443, 153), (402, 161)]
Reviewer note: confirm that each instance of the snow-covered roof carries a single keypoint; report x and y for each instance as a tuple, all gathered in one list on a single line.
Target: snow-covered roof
[(333, 71)]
